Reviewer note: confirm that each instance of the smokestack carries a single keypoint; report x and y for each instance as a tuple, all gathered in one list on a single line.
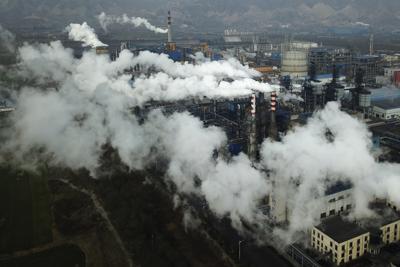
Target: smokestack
[(252, 142), (371, 44), (273, 130), (169, 27)]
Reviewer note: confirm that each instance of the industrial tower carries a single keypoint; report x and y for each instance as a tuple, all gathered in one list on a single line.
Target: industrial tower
[(171, 45)]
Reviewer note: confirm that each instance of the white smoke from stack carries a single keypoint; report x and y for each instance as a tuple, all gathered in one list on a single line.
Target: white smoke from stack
[(7, 39), (90, 106), (332, 147), (174, 81), (106, 20), (83, 33), (231, 68)]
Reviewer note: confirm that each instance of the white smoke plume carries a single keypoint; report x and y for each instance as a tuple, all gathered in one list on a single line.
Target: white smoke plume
[(81, 104), (106, 20), (7, 39), (83, 33), (332, 147), (90, 106)]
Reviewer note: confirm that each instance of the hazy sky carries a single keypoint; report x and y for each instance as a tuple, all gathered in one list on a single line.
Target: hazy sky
[(208, 14)]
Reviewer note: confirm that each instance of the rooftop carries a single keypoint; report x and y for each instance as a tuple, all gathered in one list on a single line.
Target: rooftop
[(388, 103), (338, 187), (340, 230), (386, 215)]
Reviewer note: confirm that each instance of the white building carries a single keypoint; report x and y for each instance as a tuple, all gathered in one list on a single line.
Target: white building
[(336, 200), (389, 109)]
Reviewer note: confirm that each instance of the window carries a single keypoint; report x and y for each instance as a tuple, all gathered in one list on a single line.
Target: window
[(323, 215), (366, 238), (343, 247), (351, 244), (395, 226), (332, 200), (335, 247), (358, 241), (348, 206), (341, 197), (358, 254), (331, 244), (332, 212)]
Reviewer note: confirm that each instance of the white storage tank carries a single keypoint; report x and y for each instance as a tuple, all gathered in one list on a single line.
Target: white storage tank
[(364, 99), (294, 63)]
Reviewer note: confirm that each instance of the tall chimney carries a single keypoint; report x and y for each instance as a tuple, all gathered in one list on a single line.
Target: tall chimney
[(169, 27), (252, 141), (371, 44), (273, 130)]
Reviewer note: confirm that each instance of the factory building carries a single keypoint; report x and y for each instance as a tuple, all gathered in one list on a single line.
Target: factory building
[(370, 65), (341, 240), (337, 200), (386, 110), (324, 58)]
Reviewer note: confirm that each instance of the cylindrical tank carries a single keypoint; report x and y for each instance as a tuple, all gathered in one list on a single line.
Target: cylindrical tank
[(294, 63), (365, 99)]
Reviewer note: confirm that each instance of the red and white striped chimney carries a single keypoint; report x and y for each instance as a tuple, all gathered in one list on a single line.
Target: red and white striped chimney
[(253, 105), (273, 101)]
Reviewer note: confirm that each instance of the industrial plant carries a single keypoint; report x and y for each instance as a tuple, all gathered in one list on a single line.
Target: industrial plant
[(240, 134)]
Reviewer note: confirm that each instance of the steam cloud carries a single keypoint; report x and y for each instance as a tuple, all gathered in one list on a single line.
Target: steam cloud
[(83, 33), (332, 147), (90, 106), (87, 104), (7, 39), (106, 20)]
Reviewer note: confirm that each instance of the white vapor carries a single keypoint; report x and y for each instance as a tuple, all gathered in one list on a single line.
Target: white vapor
[(332, 147), (106, 20), (90, 106), (7, 39), (83, 33), (78, 105)]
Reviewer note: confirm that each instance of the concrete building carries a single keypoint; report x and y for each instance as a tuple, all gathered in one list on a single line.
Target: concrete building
[(370, 65), (338, 199), (324, 58), (342, 241), (386, 109)]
